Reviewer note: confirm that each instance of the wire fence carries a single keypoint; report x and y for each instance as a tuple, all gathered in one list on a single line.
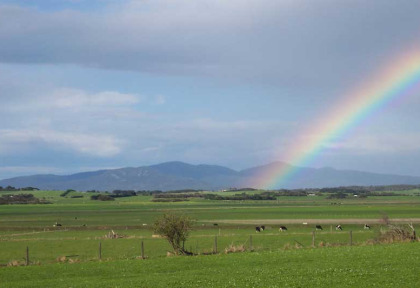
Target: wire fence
[(66, 250)]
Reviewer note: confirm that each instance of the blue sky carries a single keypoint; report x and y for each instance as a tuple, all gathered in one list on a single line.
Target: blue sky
[(86, 85)]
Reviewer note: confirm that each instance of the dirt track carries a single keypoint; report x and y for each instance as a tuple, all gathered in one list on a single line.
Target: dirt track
[(318, 221)]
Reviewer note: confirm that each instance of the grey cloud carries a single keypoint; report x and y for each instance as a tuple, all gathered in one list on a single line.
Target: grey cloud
[(288, 43)]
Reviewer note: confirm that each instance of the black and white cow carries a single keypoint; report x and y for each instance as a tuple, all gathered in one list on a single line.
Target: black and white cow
[(367, 227), (258, 229), (338, 227), (262, 228), (318, 227), (283, 228)]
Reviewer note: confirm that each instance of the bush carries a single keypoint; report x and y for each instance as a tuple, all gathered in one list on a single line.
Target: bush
[(101, 197), (397, 234), (65, 193), (175, 228), (21, 199)]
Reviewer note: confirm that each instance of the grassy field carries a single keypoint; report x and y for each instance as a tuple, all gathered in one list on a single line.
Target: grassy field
[(362, 266), (46, 247), (139, 210), (85, 223)]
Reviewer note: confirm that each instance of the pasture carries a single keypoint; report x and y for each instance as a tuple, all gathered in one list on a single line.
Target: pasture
[(218, 226), (357, 266)]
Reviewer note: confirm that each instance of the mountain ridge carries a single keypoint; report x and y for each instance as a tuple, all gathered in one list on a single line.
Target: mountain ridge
[(177, 175)]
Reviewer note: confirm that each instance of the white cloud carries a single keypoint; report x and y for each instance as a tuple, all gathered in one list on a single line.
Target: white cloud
[(68, 97), (29, 170), (23, 95), (91, 144)]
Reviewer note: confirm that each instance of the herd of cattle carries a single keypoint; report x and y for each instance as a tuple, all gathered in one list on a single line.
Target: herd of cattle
[(259, 228), (317, 227)]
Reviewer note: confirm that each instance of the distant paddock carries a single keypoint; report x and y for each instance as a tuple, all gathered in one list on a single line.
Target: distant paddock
[(317, 221)]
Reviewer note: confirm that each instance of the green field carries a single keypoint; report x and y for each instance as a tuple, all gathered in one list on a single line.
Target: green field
[(361, 266), (85, 224)]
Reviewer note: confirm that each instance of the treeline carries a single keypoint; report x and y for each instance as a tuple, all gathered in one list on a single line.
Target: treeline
[(21, 199), (157, 192), (393, 188), (175, 197), (114, 194), (239, 189), (363, 192), (295, 192), (362, 189), (102, 197), (242, 196), (123, 193), (179, 195), (11, 188)]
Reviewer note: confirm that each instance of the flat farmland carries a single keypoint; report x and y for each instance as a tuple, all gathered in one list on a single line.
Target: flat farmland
[(136, 211), (219, 227), (357, 266)]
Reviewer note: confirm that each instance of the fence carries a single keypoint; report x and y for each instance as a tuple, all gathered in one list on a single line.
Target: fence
[(80, 250)]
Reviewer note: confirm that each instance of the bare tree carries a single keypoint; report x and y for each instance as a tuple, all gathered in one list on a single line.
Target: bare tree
[(175, 228)]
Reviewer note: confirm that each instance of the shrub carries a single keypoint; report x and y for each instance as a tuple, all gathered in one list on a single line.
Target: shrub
[(21, 199), (397, 234), (101, 197), (235, 249), (175, 228)]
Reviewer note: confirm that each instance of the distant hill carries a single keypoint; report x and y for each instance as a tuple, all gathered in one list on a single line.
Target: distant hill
[(179, 175)]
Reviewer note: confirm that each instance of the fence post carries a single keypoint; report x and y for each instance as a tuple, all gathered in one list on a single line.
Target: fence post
[(142, 249), (100, 251), (313, 238), (215, 245), (250, 242), (27, 256), (351, 238)]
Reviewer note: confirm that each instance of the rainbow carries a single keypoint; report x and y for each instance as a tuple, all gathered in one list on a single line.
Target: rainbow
[(393, 82)]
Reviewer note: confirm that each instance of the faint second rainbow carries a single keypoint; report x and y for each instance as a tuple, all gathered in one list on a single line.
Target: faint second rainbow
[(392, 82)]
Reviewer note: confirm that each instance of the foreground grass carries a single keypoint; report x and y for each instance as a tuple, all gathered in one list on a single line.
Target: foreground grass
[(363, 266), (46, 248)]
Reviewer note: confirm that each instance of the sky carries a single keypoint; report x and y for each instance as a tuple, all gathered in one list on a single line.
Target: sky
[(98, 84)]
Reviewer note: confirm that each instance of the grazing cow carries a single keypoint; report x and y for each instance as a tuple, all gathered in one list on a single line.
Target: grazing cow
[(318, 227), (282, 228), (366, 227), (258, 229), (262, 228), (57, 224), (338, 227)]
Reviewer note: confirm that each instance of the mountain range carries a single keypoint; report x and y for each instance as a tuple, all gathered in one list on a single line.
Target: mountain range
[(179, 175)]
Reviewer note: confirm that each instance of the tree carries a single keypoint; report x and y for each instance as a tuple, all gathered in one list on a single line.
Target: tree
[(175, 228)]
